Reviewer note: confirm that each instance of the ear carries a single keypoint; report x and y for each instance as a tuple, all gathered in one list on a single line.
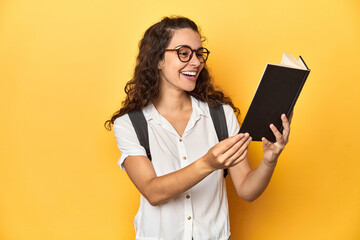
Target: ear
[(161, 64)]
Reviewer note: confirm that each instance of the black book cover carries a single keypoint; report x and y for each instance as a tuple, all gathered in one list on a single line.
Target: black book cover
[(276, 94)]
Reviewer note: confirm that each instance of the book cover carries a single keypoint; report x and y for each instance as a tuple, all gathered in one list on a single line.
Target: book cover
[(277, 93)]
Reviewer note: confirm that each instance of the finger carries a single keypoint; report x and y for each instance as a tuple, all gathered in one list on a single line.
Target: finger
[(236, 147), (226, 144), (239, 159), (273, 147), (286, 125), (279, 137), (267, 142), (240, 151), (241, 155)]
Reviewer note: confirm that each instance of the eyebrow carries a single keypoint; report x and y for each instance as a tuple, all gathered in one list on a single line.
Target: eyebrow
[(179, 46)]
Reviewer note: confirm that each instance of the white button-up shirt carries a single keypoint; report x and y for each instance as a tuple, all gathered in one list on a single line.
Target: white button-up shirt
[(201, 212)]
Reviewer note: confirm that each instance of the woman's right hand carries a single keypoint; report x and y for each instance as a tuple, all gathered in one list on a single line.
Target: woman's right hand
[(158, 190), (228, 152)]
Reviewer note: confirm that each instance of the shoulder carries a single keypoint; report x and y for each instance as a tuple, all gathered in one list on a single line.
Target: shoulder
[(204, 108), (123, 128), (228, 110), (231, 120), (122, 121), (126, 139)]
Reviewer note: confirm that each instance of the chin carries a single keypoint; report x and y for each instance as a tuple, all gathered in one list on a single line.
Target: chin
[(189, 88)]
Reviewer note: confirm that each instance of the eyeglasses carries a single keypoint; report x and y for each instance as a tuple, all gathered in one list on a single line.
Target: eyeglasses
[(185, 53)]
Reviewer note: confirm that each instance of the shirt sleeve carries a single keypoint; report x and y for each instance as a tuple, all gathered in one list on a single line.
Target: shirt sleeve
[(126, 139), (231, 120)]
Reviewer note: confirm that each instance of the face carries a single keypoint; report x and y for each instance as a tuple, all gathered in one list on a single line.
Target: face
[(176, 74)]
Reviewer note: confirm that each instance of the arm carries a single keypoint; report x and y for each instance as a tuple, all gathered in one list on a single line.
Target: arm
[(158, 190), (250, 184)]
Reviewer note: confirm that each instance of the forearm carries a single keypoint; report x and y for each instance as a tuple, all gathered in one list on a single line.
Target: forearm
[(157, 190), (256, 181), (161, 189)]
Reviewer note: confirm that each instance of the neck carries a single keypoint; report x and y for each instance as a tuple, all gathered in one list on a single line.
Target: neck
[(172, 101)]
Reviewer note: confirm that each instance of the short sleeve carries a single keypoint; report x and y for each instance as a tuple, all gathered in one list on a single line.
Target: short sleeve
[(126, 139), (231, 120)]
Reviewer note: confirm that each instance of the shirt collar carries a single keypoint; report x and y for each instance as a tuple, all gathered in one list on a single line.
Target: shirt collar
[(199, 108)]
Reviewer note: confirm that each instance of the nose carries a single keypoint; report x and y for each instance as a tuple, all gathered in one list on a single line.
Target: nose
[(194, 61)]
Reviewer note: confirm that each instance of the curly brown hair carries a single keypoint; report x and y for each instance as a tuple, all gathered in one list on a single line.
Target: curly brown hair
[(144, 87)]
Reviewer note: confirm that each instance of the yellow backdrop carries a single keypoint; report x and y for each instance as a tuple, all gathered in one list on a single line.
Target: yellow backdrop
[(63, 67)]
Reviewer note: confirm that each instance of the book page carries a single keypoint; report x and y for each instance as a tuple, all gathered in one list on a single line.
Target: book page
[(289, 60), (302, 63)]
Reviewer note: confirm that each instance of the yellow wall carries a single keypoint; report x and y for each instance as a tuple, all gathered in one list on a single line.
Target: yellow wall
[(63, 66)]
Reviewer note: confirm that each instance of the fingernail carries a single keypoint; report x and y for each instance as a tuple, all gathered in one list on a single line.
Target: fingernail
[(246, 134)]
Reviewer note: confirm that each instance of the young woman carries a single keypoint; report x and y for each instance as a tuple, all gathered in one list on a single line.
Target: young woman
[(183, 192)]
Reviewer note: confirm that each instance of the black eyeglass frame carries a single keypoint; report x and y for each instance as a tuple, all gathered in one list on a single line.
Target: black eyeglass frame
[(192, 52)]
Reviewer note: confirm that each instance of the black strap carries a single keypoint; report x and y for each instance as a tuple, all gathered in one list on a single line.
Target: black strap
[(141, 128), (219, 120)]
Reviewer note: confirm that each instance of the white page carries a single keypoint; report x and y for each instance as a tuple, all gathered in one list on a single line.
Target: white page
[(289, 60), (302, 63)]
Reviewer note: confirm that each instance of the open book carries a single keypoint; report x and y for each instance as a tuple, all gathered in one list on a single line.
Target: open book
[(276, 94)]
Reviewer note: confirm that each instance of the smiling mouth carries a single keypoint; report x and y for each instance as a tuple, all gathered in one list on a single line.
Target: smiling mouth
[(189, 74)]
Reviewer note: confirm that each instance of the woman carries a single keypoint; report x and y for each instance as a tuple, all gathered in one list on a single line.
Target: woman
[(183, 192)]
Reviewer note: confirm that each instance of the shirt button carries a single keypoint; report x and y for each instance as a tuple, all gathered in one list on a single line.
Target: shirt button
[(189, 218), (188, 196), (180, 140), (184, 158)]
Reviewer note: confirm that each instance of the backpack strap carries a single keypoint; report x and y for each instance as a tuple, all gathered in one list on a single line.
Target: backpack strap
[(141, 128), (219, 120)]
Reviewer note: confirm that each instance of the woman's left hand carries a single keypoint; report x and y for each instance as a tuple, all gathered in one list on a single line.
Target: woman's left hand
[(273, 150)]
